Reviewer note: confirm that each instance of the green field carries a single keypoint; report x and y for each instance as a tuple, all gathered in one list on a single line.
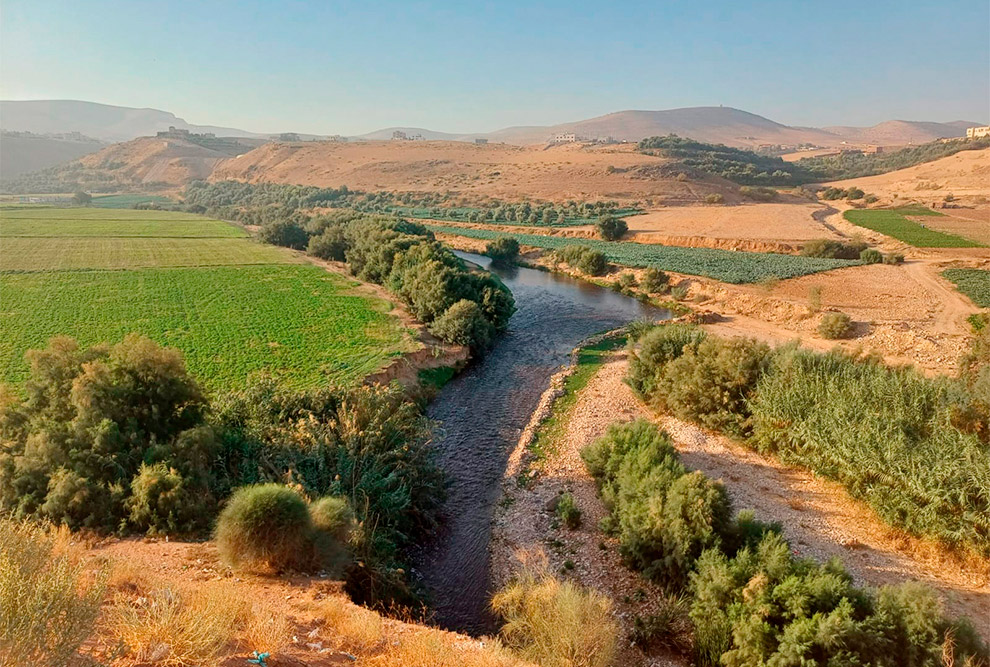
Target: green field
[(127, 201), (974, 283), (233, 306), (82, 222), (893, 223), (67, 254), (725, 265)]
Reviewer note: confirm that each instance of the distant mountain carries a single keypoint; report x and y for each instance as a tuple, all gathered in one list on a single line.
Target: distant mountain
[(895, 132), (101, 121), (428, 135), (24, 152)]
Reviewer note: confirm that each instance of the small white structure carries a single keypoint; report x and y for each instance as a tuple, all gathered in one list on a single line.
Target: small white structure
[(564, 138), (978, 132)]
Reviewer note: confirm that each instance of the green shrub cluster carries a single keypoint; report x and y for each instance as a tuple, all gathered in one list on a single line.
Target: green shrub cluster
[(735, 164), (758, 193), (833, 249), (611, 228), (108, 438), (914, 448), (871, 256), (568, 511), (583, 258), (654, 280), (835, 325), (410, 263), (832, 193), (503, 250), (751, 601)]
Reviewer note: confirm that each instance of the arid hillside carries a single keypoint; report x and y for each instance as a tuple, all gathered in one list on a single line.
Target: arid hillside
[(23, 153), (560, 173), (965, 175)]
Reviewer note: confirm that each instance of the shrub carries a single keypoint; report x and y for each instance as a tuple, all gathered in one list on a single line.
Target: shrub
[(101, 413), (284, 233), (871, 256), (333, 515), (654, 280), (893, 258), (611, 228), (266, 526), (679, 293), (714, 198), (503, 250), (172, 628), (870, 199), (833, 249), (584, 259), (667, 628), (626, 280), (834, 326), (464, 324), (162, 502), (659, 346), (568, 511), (330, 245), (556, 624), (757, 193), (854, 193), (49, 602), (82, 198)]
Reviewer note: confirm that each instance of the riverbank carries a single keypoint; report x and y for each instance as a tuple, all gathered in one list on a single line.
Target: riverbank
[(819, 519)]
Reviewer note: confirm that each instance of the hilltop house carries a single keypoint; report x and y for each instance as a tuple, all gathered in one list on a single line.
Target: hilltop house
[(978, 132)]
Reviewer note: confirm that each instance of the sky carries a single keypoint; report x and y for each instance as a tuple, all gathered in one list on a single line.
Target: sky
[(353, 67)]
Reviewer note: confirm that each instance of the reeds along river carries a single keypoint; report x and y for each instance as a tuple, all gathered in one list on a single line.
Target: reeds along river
[(479, 418)]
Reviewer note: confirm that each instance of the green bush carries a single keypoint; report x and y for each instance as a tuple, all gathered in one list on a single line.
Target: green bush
[(854, 193), (757, 193), (568, 511), (611, 228), (626, 281), (503, 250), (163, 502), (834, 326), (464, 324), (714, 198), (659, 346), (831, 249), (333, 515), (583, 258), (710, 382), (91, 417), (654, 280), (331, 244), (266, 526), (871, 256), (286, 233), (893, 258)]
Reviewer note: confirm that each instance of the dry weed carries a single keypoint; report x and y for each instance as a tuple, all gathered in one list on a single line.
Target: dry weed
[(352, 628), (267, 631), (435, 649)]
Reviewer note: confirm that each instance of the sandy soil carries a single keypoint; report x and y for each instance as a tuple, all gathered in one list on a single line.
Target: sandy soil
[(559, 173), (819, 518), (966, 175)]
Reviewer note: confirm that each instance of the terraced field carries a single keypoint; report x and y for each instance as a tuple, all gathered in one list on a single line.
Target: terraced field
[(724, 265), (974, 283), (233, 306)]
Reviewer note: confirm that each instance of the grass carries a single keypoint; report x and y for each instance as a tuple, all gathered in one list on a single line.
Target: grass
[(98, 214), (127, 201), (296, 321), (974, 283), (67, 223), (893, 223), (63, 254), (724, 265), (552, 431), (49, 603)]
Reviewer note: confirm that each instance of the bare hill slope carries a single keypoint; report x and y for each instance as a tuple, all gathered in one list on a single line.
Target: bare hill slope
[(965, 174), (899, 132), (23, 153)]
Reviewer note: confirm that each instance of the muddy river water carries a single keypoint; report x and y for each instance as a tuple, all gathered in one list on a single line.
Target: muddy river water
[(480, 415)]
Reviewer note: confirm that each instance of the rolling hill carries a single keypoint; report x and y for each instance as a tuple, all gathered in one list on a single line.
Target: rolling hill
[(24, 152)]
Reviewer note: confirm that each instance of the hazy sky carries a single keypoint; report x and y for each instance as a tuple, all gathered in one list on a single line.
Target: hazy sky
[(352, 67)]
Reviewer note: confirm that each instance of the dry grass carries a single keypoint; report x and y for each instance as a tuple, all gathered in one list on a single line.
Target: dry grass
[(556, 623), (267, 631), (435, 649), (49, 600), (352, 628), (176, 629)]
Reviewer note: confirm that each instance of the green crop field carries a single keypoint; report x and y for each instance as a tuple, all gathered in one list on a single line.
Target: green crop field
[(974, 283), (127, 201), (77, 222), (63, 254), (893, 223), (101, 214), (725, 265), (233, 306)]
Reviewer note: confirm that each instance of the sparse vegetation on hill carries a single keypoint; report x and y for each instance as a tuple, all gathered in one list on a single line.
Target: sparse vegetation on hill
[(751, 600), (855, 164), (904, 422)]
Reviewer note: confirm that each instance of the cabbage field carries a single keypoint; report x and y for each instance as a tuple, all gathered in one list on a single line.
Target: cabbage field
[(725, 265), (232, 305)]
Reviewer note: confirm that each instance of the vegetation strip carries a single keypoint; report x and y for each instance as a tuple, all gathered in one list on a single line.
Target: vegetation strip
[(892, 222), (724, 265), (974, 283)]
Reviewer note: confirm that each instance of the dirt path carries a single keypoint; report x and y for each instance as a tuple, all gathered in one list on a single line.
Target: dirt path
[(818, 516)]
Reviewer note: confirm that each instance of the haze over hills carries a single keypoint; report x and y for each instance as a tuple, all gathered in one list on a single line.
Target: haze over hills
[(727, 125)]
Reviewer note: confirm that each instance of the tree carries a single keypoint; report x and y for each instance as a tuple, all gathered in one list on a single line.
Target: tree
[(611, 228), (503, 250), (82, 198)]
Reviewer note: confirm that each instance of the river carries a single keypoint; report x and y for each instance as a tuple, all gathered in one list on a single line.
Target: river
[(480, 415)]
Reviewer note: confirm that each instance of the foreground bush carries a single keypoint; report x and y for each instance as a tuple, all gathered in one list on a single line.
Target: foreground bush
[(765, 607), (266, 527), (49, 603), (556, 624), (108, 437)]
